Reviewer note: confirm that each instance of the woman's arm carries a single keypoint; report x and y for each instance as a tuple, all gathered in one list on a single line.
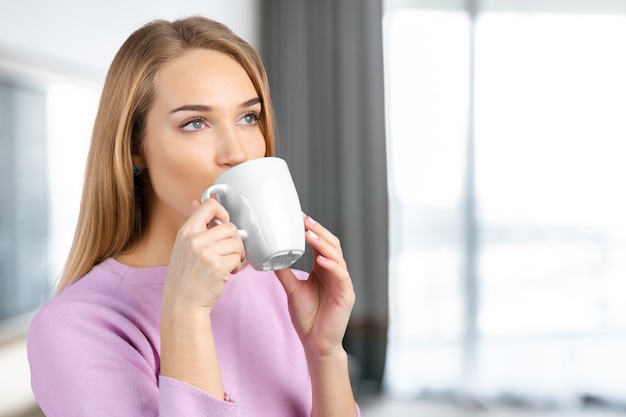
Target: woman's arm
[(320, 308), (88, 360), (330, 382), (188, 350), (200, 265)]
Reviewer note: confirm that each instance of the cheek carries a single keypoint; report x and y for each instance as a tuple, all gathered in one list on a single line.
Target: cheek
[(258, 147), (178, 175), (175, 162)]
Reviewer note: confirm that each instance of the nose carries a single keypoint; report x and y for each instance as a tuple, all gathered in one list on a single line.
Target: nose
[(231, 150)]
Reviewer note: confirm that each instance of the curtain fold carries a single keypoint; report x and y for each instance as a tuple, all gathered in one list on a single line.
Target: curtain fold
[(325, 64)]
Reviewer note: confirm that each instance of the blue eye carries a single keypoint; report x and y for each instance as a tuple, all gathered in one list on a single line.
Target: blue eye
[(194, 124), (250, 119)]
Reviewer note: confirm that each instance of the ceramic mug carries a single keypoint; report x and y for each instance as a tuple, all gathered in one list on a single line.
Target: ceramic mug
[(263, 203)]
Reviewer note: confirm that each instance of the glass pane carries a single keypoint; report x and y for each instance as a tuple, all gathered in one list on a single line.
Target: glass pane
[(71, 114), (551, 192), (23, 206), (426, 66)]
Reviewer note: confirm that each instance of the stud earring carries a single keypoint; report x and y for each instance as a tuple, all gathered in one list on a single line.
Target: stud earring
[(136, 170)]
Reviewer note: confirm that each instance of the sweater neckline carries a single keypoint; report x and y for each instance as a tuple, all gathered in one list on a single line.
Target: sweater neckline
[(148, 275)]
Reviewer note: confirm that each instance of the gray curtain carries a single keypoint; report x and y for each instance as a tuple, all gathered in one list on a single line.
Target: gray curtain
[(325, 64)]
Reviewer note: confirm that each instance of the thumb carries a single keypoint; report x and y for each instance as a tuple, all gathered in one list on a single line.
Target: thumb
[(288, 280)]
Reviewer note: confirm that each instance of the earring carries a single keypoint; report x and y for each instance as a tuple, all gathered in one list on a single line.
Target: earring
[(136, 170)]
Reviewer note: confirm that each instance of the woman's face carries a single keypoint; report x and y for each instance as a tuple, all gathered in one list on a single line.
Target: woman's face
[(204, 120)]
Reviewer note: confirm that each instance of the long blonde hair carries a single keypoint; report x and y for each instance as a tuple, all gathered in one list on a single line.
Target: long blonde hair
[(111, 211)]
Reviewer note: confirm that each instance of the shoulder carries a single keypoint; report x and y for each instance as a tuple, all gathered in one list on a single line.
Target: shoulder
[(94, 322), (98, 307), (110, 284), (103, 276), (81, 298), (72, 314), (93, 335)]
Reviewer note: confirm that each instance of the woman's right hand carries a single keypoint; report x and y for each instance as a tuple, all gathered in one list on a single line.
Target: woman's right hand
[(202, 259), (205, 253)]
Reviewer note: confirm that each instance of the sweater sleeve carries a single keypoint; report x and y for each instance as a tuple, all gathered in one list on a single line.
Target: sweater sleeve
[(88, 361)]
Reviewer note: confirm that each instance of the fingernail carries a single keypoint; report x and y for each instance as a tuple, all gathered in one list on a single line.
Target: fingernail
[(312, 233), (311, 220)]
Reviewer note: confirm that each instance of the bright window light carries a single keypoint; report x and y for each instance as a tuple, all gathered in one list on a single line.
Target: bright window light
[(548, 104), (71, 113)]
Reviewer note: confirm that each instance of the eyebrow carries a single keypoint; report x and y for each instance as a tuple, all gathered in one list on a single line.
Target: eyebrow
[(203, 107)]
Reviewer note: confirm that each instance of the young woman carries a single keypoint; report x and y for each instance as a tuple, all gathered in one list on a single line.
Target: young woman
[(156, 312)]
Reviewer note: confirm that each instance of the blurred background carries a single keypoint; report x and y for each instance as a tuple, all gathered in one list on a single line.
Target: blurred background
[(469, 154)]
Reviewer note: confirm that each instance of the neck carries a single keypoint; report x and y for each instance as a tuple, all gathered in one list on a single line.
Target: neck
[(154, 247), (147, 252)]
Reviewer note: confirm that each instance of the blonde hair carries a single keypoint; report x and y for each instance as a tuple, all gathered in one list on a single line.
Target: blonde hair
[(111, 211)]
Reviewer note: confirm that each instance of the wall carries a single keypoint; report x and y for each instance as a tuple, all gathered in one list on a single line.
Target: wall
[(79, 36), (46, 41)]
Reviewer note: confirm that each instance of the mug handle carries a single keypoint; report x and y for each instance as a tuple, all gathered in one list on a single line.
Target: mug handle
[(220, 189)]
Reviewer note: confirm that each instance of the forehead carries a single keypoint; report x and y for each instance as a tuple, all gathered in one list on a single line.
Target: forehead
[(202, 74)]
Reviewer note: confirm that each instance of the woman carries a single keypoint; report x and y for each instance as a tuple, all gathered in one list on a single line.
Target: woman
[(156, 313)]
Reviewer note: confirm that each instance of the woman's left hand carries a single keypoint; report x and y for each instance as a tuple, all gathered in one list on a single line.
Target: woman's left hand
[(320, 307)]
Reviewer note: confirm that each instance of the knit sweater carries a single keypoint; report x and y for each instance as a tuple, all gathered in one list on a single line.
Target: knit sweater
[(94, 350)]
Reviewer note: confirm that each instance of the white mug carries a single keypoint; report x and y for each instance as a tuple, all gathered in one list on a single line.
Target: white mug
[(263, 203)]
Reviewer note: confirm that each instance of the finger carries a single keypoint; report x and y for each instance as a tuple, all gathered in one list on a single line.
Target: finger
[(328, 249), (341, 282), (221, 248), (288, 280), (320, 231), (194, 205), (336, 269), (223, 239), (243, 264), (206, 212)]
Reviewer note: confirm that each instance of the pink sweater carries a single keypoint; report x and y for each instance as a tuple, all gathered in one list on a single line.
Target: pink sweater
[(94, 350)]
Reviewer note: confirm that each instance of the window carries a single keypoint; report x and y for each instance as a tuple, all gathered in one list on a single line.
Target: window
[(44, 137), (23, 220), (71, 114), (508, 193), (427, 64)]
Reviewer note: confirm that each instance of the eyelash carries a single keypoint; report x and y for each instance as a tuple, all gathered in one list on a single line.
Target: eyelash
[(255, 115), (190, 121)]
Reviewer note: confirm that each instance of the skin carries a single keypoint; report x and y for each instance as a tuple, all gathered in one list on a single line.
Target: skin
[(203, 122)]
